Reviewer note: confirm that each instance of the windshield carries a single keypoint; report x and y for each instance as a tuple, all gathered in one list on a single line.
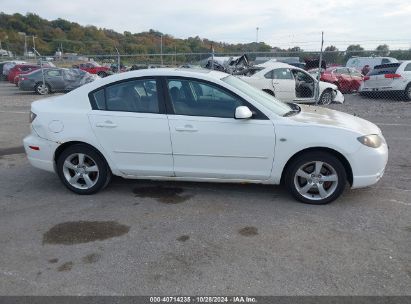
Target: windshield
[(273, 104)]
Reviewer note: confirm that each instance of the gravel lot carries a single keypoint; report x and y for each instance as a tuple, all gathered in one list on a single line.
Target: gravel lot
[(155, 238)]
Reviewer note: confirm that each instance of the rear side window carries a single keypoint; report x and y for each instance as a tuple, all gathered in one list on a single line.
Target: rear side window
[(100, 99), (384, 69), (131, 96), (407, 67), (282, 74)]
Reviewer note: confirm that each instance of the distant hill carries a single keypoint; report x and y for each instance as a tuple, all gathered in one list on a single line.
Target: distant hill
[(90, 40)]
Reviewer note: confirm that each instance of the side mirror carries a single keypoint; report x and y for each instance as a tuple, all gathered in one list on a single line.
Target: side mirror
[(243, 112)]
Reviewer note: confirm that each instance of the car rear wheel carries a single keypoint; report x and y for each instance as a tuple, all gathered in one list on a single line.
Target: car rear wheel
[(83, 170), (316, 178), (42, 89), (407, 92), (326, 97)]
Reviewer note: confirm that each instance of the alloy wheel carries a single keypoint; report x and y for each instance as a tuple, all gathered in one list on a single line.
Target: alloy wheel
[(316, 180), (80, 171)]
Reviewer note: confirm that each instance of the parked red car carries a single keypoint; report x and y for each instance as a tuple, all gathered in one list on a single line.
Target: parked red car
[(346, 79), (94, 68), (20, 69)]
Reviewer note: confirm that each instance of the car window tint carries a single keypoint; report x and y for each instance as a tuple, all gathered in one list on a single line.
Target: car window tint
[(282, 74), (54, 73), (343, 71), (99, 98), (302, 76), (407, 67), (269, 75), (133, 96), (196, 98)]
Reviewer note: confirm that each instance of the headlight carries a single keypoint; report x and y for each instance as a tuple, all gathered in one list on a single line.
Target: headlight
[(373, 140)]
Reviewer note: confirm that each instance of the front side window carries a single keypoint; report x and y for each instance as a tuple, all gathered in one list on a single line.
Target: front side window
[(131, 96), (197, 98), (302, 76)]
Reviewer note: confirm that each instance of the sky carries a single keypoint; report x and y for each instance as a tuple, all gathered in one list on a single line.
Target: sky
[(284, 23)]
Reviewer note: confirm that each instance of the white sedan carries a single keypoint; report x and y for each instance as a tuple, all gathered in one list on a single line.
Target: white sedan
[(200, 125), (291, 84)]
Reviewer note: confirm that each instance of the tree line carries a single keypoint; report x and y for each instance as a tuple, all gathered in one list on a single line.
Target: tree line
[(90, 40)]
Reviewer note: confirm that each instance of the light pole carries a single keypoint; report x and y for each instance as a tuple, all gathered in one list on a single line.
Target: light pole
[(256, 36)]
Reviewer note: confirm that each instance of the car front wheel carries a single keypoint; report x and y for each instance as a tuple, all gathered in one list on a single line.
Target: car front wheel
[(316, 178), (326, 97), (82, 169)]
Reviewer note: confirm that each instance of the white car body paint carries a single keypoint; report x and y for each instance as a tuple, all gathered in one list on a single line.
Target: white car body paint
[(174, 147), (284, 89)]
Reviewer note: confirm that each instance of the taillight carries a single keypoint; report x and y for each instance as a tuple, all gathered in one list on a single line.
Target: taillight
[(392, 76), (366, 78), (32, 116)]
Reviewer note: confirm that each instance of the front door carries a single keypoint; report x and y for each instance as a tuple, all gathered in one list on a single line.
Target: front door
[(208, 142), (128, 120)]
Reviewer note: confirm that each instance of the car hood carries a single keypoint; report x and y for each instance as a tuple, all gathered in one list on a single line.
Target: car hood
[(326, 117)]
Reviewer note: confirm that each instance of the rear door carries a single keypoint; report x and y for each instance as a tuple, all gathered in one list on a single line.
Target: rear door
[(55, 79), (283, 83), (129, 121)]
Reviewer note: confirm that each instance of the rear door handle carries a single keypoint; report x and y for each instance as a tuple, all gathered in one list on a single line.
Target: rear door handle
[(106, 124), (186, 128)]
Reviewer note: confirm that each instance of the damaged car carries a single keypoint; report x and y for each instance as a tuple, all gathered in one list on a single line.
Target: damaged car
[(49, 80), (291, 84), (228, 64)]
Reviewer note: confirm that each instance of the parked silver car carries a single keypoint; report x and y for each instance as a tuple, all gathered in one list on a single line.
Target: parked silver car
[(55, 80)]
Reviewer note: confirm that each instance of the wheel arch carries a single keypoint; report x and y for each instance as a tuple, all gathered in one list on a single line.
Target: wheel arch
[(333, 152), (67, 144), (269, 91)]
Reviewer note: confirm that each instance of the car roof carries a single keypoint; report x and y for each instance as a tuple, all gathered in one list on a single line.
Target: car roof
[(178, 72)]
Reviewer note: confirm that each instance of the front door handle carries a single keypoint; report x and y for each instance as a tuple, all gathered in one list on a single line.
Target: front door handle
[(186, 128), (106, 124)]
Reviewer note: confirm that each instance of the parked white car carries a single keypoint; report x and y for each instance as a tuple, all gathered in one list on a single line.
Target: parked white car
[(291, 84), (392, 78), (189, 125)]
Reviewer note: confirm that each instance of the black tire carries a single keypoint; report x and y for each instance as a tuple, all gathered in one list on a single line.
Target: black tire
[(407, 92), (292, 180), (100, 179), (102, 74), (38, 89), (269, 92), (326, 97)]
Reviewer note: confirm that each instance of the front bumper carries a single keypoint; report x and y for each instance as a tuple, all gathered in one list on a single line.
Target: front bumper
[(338, 96), (368, 165), (43, 158)]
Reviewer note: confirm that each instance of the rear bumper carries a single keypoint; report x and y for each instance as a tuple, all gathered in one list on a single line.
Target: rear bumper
[(42, 158)]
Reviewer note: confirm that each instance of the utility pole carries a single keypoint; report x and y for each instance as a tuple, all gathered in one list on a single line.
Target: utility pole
[(34, 47), (161, 48), (319, 69)]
